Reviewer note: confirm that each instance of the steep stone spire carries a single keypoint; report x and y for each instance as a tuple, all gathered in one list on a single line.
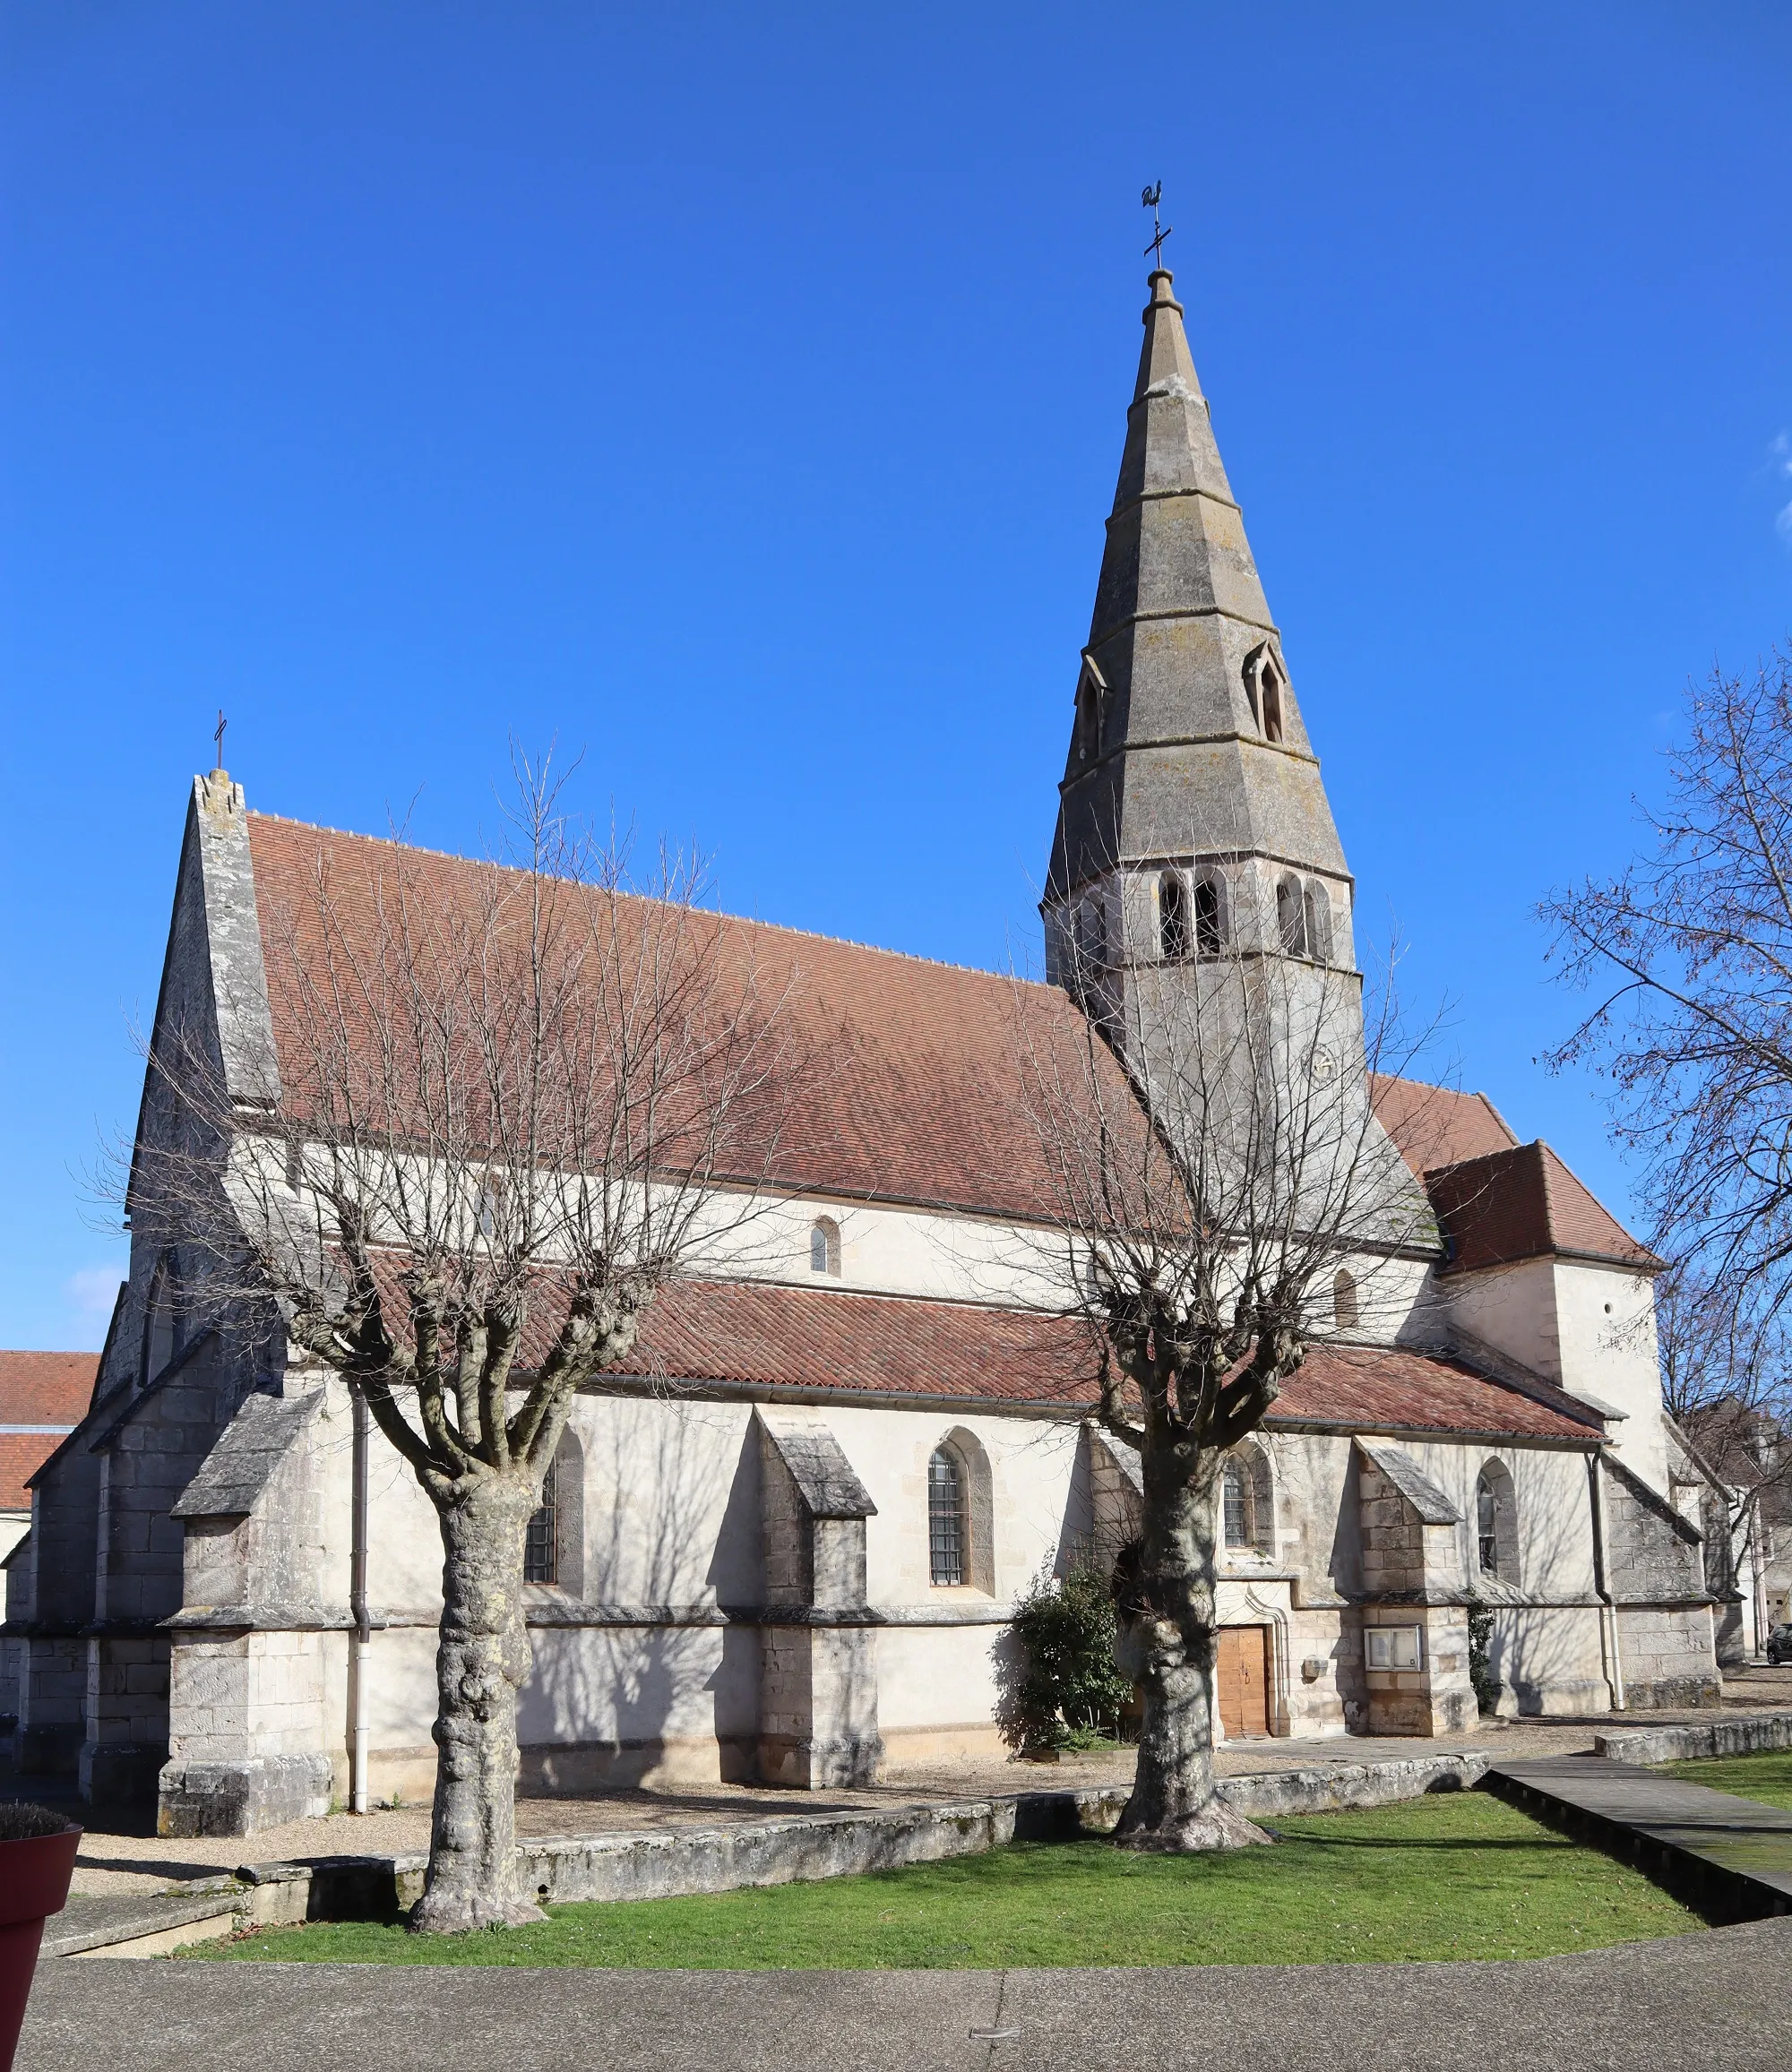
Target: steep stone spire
[(1188, 753)]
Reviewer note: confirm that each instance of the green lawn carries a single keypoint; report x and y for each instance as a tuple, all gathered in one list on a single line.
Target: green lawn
[(1767, 1778), (1455, 1876)]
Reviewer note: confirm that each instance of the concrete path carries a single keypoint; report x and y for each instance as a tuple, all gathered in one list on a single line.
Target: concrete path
[(1736, 1853), (1715, 1999)]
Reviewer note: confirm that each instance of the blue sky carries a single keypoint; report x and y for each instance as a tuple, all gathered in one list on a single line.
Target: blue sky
[(735, 395)]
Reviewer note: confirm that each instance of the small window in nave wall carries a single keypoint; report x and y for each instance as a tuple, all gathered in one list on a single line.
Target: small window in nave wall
[(945, 1519), (1345, 1311), (540, 1545)]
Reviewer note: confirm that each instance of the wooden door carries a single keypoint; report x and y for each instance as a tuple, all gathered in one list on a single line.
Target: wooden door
[(1242, 1673)]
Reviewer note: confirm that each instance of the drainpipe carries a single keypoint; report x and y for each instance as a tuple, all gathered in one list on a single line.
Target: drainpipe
[(1609, 1616), (357, 1606)]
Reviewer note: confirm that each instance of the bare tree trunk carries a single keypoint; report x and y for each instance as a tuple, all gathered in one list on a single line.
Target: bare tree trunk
[(1169, 1633), (480, 1664)]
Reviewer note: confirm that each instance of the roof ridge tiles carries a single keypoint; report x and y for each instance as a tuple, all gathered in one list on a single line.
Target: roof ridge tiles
[(749, 920)]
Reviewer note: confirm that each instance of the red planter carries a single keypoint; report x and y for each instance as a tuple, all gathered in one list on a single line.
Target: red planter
[(34, 1875)]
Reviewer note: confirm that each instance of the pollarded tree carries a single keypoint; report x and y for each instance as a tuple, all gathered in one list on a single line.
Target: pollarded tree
[(499, 1107), (1215, 1160)]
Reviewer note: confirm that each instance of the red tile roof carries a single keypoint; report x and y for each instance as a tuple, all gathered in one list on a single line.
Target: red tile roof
[(1497, 1201), (760, 1335), (46, 1388), (912, 1086), (1367, 1388), (1434, 1126), (763, 1335), (1524, 1203)]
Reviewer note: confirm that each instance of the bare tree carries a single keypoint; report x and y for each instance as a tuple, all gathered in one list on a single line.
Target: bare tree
[(1689, 953), (1726, 1382), (1215, 1159), (502, 1107)]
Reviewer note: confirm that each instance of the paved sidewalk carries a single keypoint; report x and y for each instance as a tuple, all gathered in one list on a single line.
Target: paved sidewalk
[(1710, 2001)]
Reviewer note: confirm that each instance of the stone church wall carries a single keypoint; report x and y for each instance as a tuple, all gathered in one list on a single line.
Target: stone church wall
[(1655, 1568)]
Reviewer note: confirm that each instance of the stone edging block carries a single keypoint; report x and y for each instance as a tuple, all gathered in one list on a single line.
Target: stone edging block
[(1756, 1733)]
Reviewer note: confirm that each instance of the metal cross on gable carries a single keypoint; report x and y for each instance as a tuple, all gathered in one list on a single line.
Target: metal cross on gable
[(217, 735), (1154, 250)]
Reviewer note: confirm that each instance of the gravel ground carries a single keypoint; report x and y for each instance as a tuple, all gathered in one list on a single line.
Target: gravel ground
[(120, 1856)]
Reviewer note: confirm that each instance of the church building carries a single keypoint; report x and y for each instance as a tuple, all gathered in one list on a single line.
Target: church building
[(787, 1546)]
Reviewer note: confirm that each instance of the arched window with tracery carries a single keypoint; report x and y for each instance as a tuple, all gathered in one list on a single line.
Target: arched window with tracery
[(824, 1246), (1238, 1497), (961, 1514), (1248, 1502), (1496, 1522), (1318, 921), (1346, 1312), (1173, 916), (1291, 914)]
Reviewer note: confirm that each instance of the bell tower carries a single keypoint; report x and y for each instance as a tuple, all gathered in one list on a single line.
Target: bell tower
[(1192, 819)]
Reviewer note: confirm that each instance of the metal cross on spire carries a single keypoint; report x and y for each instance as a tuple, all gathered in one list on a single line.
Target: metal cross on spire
[(217, 735), (1154, 250)]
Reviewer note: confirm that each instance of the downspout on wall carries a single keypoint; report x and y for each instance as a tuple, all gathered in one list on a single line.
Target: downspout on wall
[(357, 1606), (1610, 1651)]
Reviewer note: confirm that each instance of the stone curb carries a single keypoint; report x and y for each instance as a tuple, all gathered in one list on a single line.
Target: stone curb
[(678, 1862), (94, 1924), (669, 1863), (1757, 1733)]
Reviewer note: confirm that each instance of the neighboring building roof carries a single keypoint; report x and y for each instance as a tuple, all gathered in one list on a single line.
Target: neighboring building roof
[(47, 1394), (1524, 1203), (1497, 1201), (1434, 1126), (910, 1089), (762, 1335)]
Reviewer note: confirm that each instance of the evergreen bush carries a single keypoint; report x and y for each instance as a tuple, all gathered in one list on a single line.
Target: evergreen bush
[(1062, 1688), (1480, 1657)]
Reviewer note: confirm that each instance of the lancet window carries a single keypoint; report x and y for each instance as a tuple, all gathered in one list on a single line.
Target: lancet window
[(1346, 1312), (1318, 921), (1173, 916), (1264, 691), (1496, 1522), (1210, 912), (541, 1540), (946, 1520), (1291, 914)]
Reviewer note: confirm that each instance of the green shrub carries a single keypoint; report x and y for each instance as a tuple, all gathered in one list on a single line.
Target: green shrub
[(1480, 1657), (1061, 1687)]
